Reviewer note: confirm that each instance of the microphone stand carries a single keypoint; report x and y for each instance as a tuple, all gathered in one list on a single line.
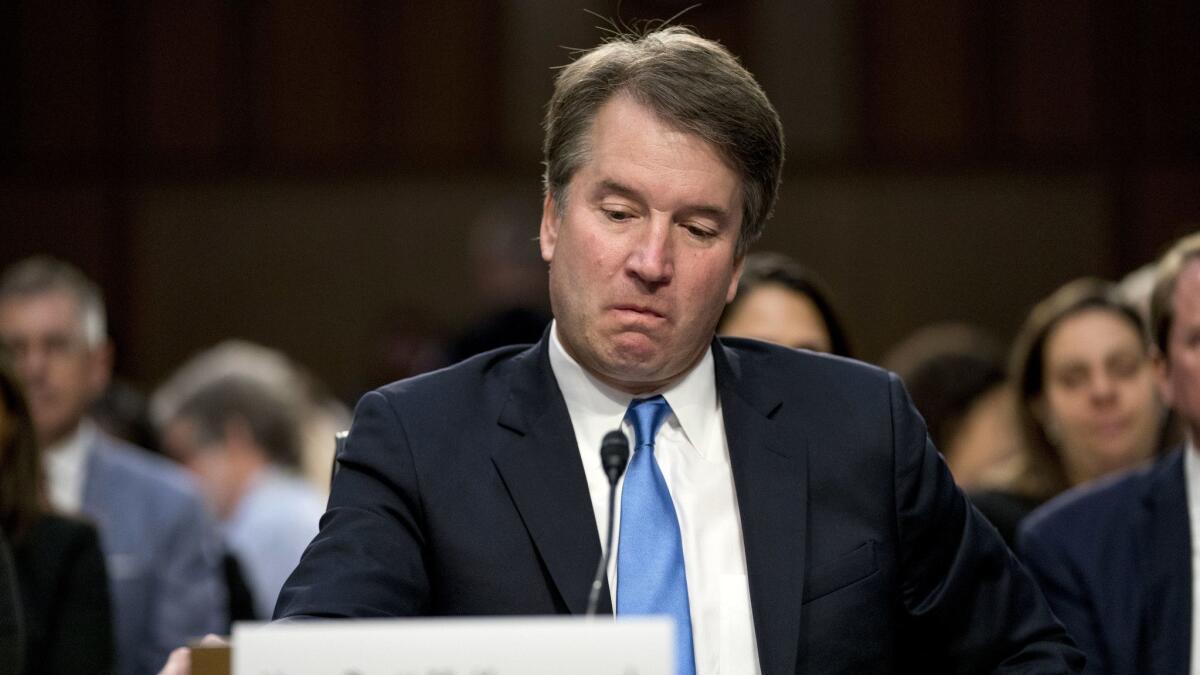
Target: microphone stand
[(614, 455)]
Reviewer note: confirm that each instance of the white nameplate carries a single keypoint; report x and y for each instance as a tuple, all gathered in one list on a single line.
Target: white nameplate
[(491, 646)]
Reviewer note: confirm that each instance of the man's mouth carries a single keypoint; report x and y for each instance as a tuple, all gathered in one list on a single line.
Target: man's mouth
[(639, 311)]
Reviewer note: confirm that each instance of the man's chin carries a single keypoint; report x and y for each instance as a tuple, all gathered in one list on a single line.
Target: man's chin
[(53, 430)]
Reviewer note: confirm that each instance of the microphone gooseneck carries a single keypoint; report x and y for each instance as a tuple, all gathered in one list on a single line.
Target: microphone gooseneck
[(614, 455)]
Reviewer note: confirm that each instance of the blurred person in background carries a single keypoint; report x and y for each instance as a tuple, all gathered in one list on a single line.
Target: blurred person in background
[(955, 374), (321, 416), (1119, 560), (61, 610), (242, 442), (161, 548), (780, 301), (509, 279), (407, 341), (123, 412), (1087, 405)]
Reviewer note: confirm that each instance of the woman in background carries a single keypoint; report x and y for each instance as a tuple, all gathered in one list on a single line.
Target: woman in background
[(59, 614), (780, 301), (1088, 404)]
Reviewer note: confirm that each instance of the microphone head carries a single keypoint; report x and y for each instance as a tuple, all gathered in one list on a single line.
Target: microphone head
[(614, 454)]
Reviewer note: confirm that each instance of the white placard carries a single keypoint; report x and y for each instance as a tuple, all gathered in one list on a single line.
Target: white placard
[(491, 646)]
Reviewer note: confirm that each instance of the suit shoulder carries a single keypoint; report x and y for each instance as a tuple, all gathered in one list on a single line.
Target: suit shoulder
[(758, 359), (1096, 507), (463, 377), (58, 535), (137, 469)]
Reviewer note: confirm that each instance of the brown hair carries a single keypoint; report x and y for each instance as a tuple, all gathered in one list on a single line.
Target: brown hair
[(690, 82), (1162, 298), (22, 500), (1043, 474), (775, 268)]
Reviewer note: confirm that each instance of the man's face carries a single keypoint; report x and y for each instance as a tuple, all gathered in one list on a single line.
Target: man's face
[(60, 372), (642, 259), (1179, 374), (209, 462)]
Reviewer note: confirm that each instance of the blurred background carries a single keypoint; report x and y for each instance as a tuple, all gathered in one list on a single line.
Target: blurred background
[(321, 177)]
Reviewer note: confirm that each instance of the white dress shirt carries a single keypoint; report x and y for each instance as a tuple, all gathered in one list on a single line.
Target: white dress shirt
[(65, 463), (1191, 479), (693, 455)]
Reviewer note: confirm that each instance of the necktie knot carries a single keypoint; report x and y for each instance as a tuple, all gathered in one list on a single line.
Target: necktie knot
[(647, 416)]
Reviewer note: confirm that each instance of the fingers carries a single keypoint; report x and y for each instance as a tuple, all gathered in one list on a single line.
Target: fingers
[(178, 663)]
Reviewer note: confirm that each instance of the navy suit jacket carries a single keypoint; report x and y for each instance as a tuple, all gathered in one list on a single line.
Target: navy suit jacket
[(161, 549), (462, 493), (1114, 559)]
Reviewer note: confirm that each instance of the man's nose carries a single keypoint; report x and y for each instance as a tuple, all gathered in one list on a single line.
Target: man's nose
[(652, 260)]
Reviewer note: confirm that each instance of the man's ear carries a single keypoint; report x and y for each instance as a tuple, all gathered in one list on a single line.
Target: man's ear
[(100, 367), (1162, 377), (738, 266), (239, 438), (548, 233)]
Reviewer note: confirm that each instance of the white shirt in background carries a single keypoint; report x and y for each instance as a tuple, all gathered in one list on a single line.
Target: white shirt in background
[(65, 464), (1191, 479)]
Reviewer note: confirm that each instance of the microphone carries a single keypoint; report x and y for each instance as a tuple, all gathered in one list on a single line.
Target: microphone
[(614, 455)]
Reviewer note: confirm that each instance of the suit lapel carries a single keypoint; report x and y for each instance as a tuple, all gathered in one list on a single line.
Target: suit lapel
[(771, 483), (538, 459), (96, 476), (1165, 552)]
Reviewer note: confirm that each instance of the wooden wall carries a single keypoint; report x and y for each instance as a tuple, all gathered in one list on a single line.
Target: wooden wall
[(291, 172)]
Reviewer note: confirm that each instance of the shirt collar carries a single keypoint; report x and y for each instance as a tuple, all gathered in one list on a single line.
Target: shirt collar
[(693, 397), (72, 450), (65, 463)]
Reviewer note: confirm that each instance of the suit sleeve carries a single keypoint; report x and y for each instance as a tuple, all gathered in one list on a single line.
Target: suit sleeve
[(971, 607), (368, 560), (190, 596), (1060, 582)]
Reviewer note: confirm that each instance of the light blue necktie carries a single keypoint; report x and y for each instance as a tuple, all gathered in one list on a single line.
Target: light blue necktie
[(650, 575)]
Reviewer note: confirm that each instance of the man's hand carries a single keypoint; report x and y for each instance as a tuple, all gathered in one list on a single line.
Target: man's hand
[(180, 660)]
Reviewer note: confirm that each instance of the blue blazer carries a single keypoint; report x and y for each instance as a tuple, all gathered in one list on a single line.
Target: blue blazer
[(461, 493), (161, 549), (1114, 559)]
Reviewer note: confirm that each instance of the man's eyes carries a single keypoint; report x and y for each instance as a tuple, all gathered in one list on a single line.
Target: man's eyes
[(617, 215), (699, 232)]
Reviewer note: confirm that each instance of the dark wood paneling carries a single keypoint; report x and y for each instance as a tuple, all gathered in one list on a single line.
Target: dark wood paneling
[(918, 91), (1172, 80), (66, 69), (1049, 87), (187, 91), (310, 80), (436, 81)]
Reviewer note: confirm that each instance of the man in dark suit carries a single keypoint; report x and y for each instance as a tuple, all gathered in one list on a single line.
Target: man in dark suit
[(1118, 559), (785, 508), (160, 546)]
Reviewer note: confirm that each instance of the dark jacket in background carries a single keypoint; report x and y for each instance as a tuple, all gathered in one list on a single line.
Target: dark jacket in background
[(1114, 560), (64, 597)]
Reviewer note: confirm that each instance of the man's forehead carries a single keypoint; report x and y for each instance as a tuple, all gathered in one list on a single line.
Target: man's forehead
[(52, 310), (1187, 286)]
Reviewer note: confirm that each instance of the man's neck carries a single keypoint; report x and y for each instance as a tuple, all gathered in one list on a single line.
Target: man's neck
[(60, 441)]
